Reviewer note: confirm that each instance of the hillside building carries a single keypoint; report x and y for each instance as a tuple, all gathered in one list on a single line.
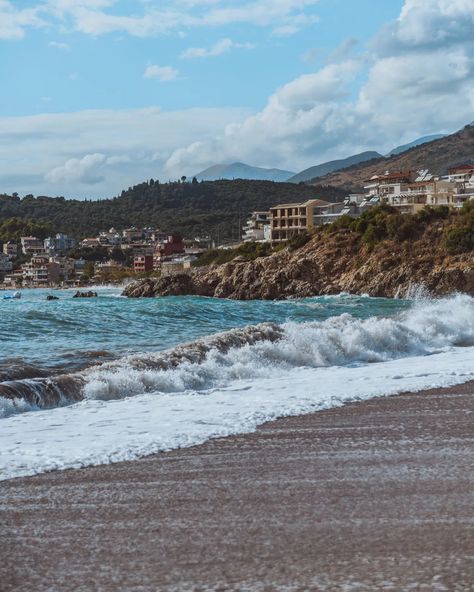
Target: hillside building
[(288, 220)]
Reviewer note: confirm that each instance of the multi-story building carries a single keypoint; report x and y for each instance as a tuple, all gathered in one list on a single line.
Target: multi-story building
[(40, 271), (255, 227), (60, 243), (31, 244), (67, 267), (290, 219), (142, 263), (10, 249), (410, 193)]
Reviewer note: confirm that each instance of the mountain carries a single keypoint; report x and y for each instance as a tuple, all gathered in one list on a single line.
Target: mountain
[(418, 142), (240, 170), (320, 170), (437, 156)]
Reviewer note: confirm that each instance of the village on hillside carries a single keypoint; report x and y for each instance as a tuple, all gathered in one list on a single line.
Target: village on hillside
[(115, 254)]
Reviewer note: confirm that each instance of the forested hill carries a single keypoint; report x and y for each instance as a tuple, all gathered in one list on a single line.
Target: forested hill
[(216, 208)]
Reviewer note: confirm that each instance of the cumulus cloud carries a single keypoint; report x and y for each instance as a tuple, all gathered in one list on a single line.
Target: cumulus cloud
[(217, 49), (84, 170), (163, 73), (99, 152), (407, 86)]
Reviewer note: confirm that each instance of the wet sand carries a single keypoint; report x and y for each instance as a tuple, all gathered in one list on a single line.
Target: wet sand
[(376, 495)]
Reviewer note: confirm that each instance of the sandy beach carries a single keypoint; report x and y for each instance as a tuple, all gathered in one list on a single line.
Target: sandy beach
[(375, 495)]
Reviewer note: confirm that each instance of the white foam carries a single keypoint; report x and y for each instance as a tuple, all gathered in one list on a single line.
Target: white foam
[(99, 432), (132, 409)]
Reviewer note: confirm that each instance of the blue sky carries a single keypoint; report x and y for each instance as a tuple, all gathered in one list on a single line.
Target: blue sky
[(100, 94)]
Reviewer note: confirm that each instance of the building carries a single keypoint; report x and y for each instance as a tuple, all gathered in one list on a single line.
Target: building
[(67, 267), (254, 229), (60, 243), (143, 263), (6, 265), (411, 192), (10, 249), (40, 271), (287, 220), (132, 234), (331, 212), (31, 244)]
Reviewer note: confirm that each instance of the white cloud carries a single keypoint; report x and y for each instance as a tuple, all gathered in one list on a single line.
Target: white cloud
[(421, 81), (83, 170), (217, 49), (163, 73), (132, 144), (14, 22), (99, 17), (58, 45)]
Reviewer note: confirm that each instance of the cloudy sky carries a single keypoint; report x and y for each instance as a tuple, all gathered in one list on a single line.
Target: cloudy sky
[(100, 94)]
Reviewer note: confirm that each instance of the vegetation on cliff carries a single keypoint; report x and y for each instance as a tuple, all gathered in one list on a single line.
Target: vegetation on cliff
[(382, 253)]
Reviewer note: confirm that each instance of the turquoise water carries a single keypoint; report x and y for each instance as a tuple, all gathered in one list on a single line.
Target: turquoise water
[(72, 333)]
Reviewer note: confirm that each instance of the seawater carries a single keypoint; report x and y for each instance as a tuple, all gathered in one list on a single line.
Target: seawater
[(91, 381)]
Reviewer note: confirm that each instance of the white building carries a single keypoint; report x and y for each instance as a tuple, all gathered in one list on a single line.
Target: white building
[(254, 229)]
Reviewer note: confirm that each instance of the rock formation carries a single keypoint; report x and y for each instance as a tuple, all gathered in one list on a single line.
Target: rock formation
[(330, 263)]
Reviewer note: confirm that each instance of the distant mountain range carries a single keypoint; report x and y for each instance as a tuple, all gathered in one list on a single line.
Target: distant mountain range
[(240, 170), (333, 170), (437, 156), (418, 142), (320, 170)]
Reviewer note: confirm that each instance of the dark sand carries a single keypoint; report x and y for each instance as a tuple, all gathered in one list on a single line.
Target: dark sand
[(377, 495)]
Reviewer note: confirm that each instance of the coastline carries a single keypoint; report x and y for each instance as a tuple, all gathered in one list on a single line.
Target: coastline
[(376, 494)]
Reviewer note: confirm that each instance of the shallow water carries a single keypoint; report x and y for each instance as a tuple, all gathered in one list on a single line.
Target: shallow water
[(70, 332), (167, 380)]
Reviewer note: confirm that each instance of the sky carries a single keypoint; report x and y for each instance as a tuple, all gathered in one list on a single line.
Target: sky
[(98, 95)]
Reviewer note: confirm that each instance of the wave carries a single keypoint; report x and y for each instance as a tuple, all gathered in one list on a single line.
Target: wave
[(257, 351)]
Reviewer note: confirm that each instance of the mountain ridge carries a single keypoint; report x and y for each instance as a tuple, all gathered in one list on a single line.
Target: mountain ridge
[(241, 170), (437, 156), (320, 170)]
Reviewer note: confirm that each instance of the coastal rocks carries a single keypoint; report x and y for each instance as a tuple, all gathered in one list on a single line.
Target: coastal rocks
[(329, 264), (88, 294)]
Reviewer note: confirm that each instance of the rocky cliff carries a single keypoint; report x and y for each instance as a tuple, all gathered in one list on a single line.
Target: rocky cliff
[(330, 263)]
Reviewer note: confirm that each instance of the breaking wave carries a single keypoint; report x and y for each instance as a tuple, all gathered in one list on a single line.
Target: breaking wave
[(256, 352)]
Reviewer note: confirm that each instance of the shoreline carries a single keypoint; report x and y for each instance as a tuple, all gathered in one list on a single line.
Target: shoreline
[(375, 494)]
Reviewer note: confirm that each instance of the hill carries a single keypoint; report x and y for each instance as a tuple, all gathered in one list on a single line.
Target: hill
[(383, 253), (320, 170), (437, 156), (191, 209), (240, 170), (418, 142)]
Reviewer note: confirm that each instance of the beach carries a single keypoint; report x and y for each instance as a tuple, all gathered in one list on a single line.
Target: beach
[(373, 495)]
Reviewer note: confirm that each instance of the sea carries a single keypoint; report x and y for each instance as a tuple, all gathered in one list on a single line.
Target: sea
[(90, 381)]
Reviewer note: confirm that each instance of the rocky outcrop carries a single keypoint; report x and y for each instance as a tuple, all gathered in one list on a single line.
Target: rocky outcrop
[(328, 264), (88, 294)]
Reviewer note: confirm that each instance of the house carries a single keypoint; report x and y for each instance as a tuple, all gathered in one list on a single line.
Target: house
[(60, 243), (142, 263), (67, 267), (31, 244), (10, 249), (254, 229), (410, 192), (290, 219), (40, 271)]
